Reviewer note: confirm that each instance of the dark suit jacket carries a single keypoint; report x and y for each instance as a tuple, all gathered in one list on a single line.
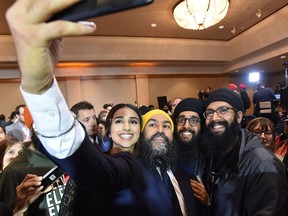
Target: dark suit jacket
[(118, 185)]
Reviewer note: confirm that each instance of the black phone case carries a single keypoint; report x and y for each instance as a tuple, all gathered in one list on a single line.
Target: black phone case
[(51, 176), (91, 8)]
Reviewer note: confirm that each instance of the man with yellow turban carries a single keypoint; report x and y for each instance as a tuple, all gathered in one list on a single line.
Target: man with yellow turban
[(158, 153)]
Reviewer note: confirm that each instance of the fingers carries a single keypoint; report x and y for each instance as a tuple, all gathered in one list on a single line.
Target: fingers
[(197, 185), (29, 185), (32, 16), (60, 28), (200, 192), (39, 10), (49, 188)]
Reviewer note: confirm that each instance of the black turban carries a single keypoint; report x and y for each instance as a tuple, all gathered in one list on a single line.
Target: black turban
[(228, 96), (189, 104)]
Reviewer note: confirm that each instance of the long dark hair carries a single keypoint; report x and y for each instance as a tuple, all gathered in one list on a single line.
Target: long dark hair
[(112, 112)]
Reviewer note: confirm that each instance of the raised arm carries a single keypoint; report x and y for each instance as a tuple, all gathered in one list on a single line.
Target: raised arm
[(38, 44)]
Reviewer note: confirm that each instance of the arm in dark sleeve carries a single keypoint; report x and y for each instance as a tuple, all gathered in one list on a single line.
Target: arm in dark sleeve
[(269, 191), (93, 170)]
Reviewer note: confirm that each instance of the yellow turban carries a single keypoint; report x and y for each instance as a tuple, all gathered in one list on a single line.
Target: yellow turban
[(152, 113)]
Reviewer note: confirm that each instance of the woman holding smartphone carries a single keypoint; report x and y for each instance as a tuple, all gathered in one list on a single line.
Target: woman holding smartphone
[(126, 194), (117, 185)]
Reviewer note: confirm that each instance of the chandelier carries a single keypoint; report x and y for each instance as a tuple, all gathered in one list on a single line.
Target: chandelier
[(200, 14)]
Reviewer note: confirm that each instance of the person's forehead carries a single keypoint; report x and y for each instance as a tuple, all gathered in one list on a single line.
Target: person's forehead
[(217, 104), (21, 110), (125, 112), (86, 112), (188, 114), (159, 118), (262, 126)]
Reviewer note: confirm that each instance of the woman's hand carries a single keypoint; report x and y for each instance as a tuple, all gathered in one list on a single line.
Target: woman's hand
[(37, 42)]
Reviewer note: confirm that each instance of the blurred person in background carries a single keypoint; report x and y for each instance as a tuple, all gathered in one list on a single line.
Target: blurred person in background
[(3, 122), (85, 113), (264, 129), (2, 133), (18, 129), (282, 141), (174, 103), (12, 118), (261, 94), (102, 115), (9, 149)]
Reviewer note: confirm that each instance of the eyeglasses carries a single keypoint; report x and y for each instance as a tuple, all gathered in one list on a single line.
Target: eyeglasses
[(266, 133), (221, 112), (193, 121)]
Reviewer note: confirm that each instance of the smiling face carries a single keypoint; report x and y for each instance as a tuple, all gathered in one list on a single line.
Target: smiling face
[(125, 129), (216, 124), (156, 143), (186, 131), (157, 125)]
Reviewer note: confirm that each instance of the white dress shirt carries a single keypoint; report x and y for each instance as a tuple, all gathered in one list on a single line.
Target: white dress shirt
[(52, 117)]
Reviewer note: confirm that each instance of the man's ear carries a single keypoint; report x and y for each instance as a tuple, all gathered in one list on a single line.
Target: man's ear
[(239, 116)]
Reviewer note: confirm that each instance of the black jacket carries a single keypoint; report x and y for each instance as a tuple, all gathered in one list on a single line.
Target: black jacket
[(118, 184), (258, 186)]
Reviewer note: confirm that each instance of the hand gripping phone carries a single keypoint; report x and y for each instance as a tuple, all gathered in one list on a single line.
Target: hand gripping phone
[(86, 9), (51, 176)]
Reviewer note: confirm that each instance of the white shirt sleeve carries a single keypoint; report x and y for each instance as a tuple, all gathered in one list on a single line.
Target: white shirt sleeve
[(52, 117)]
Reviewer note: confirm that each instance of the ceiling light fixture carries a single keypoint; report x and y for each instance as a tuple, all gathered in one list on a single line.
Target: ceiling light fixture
[(233, 30), (153, 25), (199, 15), (259, 13)]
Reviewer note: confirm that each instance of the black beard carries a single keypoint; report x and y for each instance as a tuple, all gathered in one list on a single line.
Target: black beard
[(221, 145), (155, 157), (188, 151)]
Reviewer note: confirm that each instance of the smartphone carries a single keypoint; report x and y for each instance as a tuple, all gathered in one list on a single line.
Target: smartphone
[(86, 9), (51, 176)]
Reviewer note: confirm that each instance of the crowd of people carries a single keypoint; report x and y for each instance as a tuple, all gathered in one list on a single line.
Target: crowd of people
[(197, 159)]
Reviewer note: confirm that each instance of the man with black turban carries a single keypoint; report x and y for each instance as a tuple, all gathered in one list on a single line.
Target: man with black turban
[(244, 177), (188, 118)]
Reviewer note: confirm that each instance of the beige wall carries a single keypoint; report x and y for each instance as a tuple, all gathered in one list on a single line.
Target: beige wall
[(10, 96), (182, 87), (128, 90)]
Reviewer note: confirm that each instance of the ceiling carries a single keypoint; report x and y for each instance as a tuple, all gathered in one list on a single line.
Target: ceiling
[(137, 23)]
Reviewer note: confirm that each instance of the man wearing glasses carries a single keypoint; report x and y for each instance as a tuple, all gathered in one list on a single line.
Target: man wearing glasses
[(243, 176), (188, 120)]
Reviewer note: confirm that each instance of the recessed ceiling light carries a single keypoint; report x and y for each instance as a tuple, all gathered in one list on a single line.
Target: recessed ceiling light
[(236, 71), (282, 57), (153, 25), (221, 27)]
